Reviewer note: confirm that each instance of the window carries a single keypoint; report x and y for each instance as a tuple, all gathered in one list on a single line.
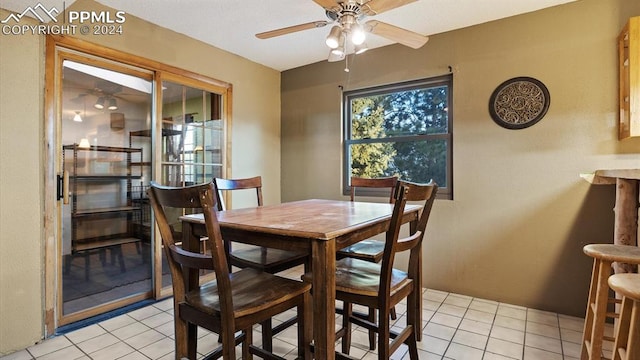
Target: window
[(400, 130)]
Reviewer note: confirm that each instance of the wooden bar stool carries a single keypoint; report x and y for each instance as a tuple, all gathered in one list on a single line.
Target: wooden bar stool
[(627, 343), (604, 255)]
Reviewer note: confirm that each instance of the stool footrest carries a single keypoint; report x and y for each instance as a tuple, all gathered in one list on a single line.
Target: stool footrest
[(610, 315), (588, 347), (609, 338), (614, 301)]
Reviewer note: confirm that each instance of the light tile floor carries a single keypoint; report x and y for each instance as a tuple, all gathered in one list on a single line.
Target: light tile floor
[(454, 327)]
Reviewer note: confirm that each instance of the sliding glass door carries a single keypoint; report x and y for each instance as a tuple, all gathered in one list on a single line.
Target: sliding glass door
[(119, 126), (192, 142), (105, 245)]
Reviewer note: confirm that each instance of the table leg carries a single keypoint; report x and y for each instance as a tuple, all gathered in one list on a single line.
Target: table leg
[(324, 297)]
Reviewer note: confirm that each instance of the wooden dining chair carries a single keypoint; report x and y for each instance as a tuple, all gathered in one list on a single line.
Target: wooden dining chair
[(231, 303), (380, 285), (369, 249), (257, 257)]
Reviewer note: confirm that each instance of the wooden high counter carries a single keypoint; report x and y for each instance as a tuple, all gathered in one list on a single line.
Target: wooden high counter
[(626, 207)]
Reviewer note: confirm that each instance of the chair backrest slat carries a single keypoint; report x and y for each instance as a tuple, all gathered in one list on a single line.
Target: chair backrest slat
[(237, 184), (190, 259), (379, 183)]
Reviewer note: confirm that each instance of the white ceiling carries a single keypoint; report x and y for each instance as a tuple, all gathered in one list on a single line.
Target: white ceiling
[(232, 24)]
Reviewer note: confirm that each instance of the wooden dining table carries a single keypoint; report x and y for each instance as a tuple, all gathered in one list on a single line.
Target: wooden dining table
[(319, 227)]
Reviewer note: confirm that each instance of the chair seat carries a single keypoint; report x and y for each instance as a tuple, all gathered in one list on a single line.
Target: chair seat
[(252, 291), (367, 250), (361, 277), (266, 259)]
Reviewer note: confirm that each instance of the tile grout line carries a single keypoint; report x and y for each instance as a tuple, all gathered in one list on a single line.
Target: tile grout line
[(560, 334), (526, 325), (493, 321)]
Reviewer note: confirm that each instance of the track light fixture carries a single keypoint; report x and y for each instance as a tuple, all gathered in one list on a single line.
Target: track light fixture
[(108, 101), (100, 103), (112, 104)]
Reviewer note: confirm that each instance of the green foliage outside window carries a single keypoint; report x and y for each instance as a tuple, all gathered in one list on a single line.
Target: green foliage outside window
[(369, 160), (403, 131)]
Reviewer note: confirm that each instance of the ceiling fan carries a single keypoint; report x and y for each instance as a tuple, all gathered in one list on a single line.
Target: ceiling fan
[(348, 29)]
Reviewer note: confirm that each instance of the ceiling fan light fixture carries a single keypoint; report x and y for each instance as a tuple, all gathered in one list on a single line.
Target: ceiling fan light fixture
[(335, 57), (333, 39), (358, 35), (112, 104), (359, 49), (340, 50), (100, 103)]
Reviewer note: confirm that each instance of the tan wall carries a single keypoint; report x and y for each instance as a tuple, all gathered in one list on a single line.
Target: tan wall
[(255, 149), (21, 258), (521, 214)]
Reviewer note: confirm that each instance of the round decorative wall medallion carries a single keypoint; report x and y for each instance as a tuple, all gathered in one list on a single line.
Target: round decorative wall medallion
[(519, 103)]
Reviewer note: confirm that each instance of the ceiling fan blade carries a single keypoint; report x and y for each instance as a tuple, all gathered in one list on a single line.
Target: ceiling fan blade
[(399, 35), (375, 7), (327, 4), (291, 29)]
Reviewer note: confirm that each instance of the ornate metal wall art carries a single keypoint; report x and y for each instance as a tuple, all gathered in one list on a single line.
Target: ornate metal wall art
[(519, 103)]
